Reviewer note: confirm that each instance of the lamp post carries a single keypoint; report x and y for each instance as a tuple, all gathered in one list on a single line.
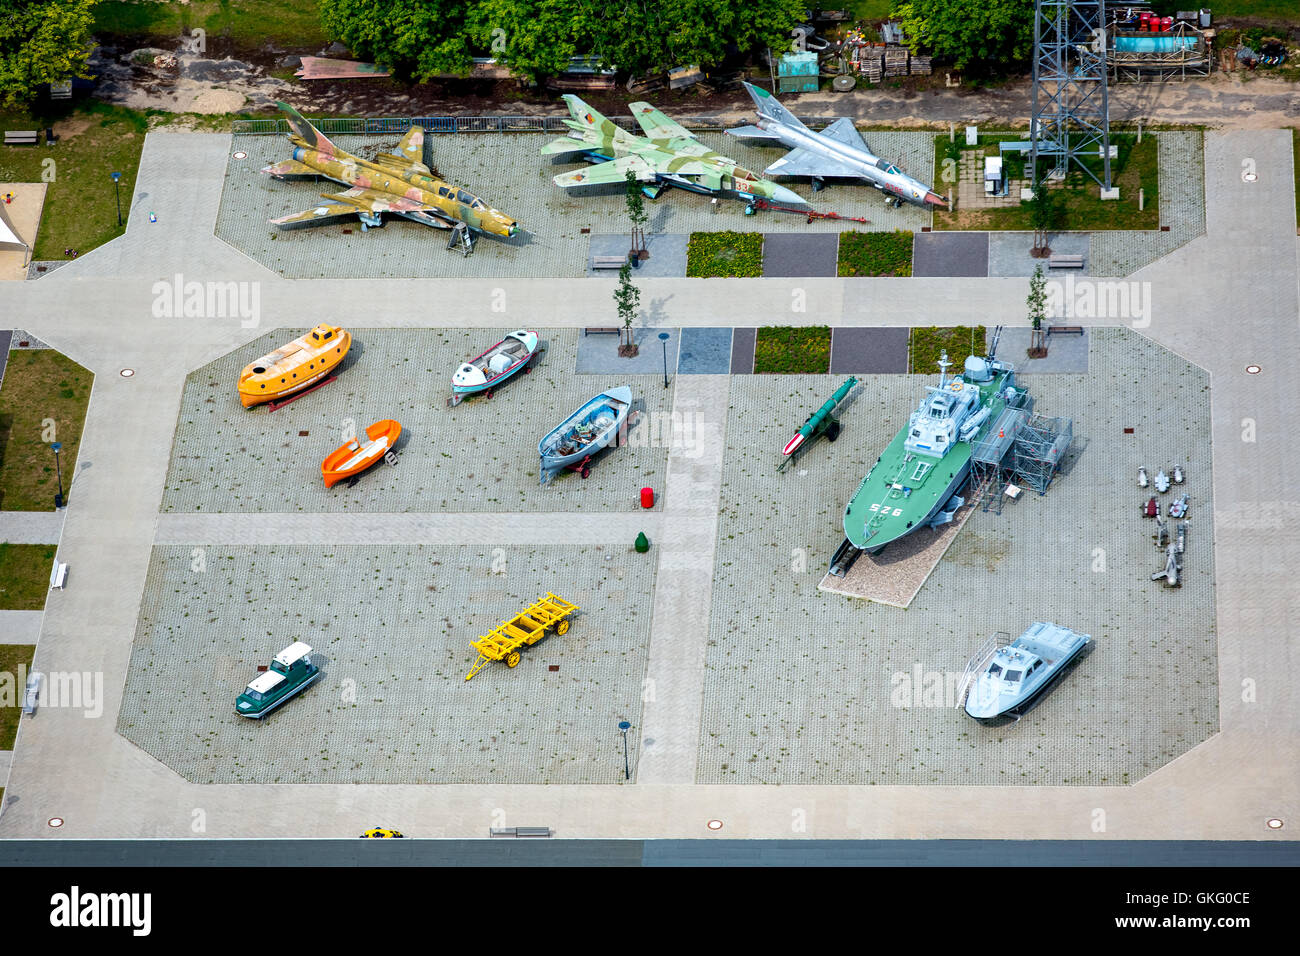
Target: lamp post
[(57, 447), (625, 726), (663, 337), (117, 189)]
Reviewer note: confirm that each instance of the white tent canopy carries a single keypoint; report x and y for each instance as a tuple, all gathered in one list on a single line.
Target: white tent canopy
[(9, 238)]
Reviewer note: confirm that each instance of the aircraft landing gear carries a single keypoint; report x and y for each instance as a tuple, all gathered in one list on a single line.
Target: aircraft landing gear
[(818, 184)]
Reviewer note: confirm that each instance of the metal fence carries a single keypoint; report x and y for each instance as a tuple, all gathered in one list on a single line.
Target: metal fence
[(465, 124)]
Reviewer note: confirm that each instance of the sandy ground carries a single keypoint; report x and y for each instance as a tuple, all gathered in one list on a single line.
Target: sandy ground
[(1239, 100), (24, 214)]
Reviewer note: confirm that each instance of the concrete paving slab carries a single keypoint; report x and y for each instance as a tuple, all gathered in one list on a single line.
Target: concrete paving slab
[(800, 254), (1009, 253), (598, 354), (667, 255), (742, 351), (705, 352), (871, 351), (480, 456), (20, 627), (949, 254), (803, 687), (31, 527), (391, 629), (519, 184), (1065, 353)]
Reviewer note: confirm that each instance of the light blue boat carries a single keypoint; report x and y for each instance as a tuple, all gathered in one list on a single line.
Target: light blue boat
[(1008, 678), (592, 427)]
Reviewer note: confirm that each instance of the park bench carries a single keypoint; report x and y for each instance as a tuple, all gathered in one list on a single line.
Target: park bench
[(608, 262), (58, 575), (1064, 330), (611, 329), (21, 137), (520, 831), (1065, 262)]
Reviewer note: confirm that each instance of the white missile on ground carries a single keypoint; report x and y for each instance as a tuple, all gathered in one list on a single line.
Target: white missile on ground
[(837, 152)]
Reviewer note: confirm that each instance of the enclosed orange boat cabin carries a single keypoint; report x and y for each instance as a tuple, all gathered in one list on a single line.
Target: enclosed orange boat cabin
[(355, 456), (301, 364)]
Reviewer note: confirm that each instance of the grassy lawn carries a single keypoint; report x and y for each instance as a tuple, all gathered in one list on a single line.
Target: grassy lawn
[(725, 254), (288, 23), (24, 575), (788, 350), (80, 207), (1282, 11), (876, 253), (12, 657), (925, 345), (1137, 167), (40, 386)]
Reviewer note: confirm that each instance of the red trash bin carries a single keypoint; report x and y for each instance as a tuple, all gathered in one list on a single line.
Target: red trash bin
[(647, 497)]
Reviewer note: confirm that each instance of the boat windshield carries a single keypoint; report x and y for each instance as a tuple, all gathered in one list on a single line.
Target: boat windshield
[(252, 694), (995, 669), (1013, 676)]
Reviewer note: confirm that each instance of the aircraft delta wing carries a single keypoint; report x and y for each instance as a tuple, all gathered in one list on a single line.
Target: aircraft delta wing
[(398, 183), (668, 155)]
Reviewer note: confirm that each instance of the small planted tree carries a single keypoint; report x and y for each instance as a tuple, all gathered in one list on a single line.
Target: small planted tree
[(637, 215), (1044, 216), (1037, 302), (627, 298)]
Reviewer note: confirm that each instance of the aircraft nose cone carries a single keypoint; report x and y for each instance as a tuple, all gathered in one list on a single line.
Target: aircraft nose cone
[(787, 197), (935, 199)]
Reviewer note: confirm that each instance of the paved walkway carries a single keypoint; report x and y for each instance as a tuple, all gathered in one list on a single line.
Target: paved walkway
[(20, 627), (684, 586), (1225, 300), (406, 529), (31, 527)]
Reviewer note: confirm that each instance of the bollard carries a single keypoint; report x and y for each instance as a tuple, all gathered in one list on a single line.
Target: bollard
[(642, 543), (647, 497)]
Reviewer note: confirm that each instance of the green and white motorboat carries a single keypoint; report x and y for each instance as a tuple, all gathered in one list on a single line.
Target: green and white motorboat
[(291, 671)]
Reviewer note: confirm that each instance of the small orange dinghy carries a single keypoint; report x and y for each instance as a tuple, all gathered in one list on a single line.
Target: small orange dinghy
[(356, 456)]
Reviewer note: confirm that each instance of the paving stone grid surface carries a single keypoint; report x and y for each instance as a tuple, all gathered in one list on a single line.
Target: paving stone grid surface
[(480, 456), (508, 172), (1182, 209), (390, 627), (800, 686)]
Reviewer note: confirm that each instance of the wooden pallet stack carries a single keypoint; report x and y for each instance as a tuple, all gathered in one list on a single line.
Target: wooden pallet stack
[(920, 65), (870, 65), (895, 61)]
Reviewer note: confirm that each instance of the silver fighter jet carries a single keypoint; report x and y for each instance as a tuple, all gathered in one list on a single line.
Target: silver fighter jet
[(838, 151)]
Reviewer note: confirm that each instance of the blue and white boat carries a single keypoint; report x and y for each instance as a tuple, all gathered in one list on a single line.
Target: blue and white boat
[(592, 427), (1017, 673), (494, 367)]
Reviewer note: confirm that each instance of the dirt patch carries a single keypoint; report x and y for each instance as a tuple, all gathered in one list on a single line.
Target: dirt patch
[(71, 127), (217, 101)]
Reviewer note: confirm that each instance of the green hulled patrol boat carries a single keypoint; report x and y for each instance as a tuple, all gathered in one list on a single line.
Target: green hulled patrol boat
[(916, 478)]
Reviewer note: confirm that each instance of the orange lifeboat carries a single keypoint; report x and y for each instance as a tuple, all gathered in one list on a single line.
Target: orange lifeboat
[(354, 457), (291, 368)]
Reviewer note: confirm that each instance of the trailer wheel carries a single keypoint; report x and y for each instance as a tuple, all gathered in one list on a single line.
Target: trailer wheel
[(833, 431), (489, 393), (512, 659), (586, 471), (562, 627)]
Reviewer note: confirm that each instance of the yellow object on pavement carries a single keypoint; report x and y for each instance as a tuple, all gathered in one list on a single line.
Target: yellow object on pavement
[(529, 626)]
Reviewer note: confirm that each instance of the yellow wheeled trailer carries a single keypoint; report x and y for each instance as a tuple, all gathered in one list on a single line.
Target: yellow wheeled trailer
[(529, 626)]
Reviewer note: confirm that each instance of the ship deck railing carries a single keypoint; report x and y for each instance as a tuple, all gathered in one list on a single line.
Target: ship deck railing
[(978, 662)]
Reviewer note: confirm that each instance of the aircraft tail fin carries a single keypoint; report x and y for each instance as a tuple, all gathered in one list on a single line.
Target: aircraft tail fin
[(313, 137), (769, 108)]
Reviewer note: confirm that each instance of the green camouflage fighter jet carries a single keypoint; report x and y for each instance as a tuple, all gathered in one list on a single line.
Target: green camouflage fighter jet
[(668, 155), (400, 184)]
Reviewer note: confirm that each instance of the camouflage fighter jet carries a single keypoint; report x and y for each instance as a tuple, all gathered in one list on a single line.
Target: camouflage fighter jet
[(668, 155), (400, 184)]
